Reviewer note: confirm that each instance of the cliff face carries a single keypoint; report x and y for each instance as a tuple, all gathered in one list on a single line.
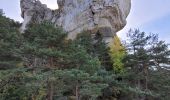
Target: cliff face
[(103, 16)]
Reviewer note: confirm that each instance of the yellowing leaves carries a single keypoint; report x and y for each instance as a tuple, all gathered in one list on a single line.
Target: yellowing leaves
[(117, 53)]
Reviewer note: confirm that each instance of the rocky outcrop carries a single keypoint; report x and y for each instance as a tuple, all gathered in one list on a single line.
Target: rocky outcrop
[(103, 16)]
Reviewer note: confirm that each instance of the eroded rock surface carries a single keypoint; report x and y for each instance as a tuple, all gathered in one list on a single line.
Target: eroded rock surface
[(103, 16)]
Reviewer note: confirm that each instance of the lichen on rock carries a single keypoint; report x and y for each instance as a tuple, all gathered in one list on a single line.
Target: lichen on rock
[(103, 16)]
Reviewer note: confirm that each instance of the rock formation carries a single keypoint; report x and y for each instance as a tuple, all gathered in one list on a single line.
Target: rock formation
[(103, 16)]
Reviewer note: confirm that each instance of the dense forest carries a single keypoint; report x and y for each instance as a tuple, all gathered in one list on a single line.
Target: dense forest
[(41, 64)]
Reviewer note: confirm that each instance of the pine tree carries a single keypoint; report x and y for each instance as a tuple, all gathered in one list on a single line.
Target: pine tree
[(69, 58), (145, 56), (9, 43), (1, 12), (43, 44), (160, 55), (82, 84), (10, 58), (96, 47)]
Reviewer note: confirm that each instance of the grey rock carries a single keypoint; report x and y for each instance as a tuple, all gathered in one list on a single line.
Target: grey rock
[(104, 16)]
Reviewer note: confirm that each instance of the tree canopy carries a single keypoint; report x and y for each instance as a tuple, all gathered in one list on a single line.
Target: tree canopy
[(41, 64)]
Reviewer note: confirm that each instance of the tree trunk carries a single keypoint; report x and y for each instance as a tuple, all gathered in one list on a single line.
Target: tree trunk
[(35, 62), (138, 84), (50, 91), (77, 92), (146, 76), (51, 62)]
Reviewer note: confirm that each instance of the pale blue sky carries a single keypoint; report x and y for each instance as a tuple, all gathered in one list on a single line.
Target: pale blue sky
[(147, 15)]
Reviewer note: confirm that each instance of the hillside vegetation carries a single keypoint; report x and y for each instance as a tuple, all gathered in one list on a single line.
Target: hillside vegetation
[(41, 64)]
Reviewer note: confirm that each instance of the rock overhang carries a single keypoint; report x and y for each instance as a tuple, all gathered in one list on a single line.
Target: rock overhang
[(103, 16)]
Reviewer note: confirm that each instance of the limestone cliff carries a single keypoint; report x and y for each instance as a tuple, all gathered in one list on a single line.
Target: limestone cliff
[(103, 16)]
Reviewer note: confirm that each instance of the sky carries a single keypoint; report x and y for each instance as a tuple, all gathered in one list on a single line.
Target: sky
[(150, 16)]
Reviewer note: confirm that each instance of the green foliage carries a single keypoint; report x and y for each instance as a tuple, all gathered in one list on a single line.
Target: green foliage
[(44, 35), (85, 40), (22, 84), (95, 46), (1, 12), (84, 82), (43, 43), (46, 42), (146, 59), (9, 43), (41, 64), (54, 67)]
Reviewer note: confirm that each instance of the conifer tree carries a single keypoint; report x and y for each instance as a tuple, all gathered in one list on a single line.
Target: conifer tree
[(47, 43), (43, 45), (1, 12), (9, 43), (96, 47), (145, 56)]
